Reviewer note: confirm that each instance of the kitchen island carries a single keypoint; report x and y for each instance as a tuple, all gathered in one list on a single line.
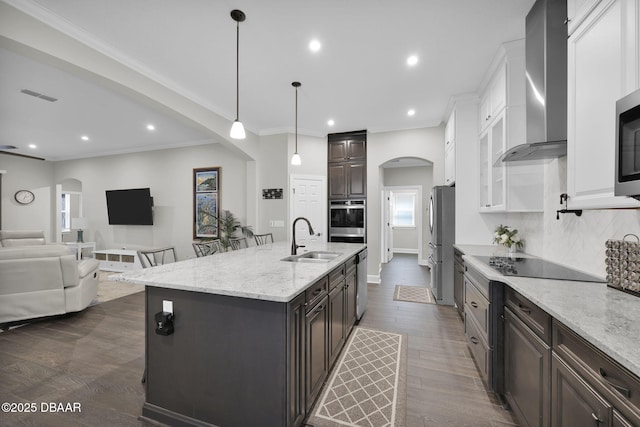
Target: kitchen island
[(253, 336)]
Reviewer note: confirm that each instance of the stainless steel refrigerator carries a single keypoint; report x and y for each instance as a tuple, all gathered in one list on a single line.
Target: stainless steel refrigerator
[(442, 224)]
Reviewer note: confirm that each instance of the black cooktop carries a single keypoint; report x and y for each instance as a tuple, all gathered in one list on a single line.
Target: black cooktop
[(536, 267)]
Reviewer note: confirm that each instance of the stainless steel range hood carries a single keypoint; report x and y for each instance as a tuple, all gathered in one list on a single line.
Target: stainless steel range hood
[(546, 83)]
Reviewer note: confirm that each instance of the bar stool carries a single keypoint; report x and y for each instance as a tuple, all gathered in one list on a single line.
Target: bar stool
[(263, 239)]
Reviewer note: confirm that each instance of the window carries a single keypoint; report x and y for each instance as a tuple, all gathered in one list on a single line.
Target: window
[(65, 212), (404, 210)]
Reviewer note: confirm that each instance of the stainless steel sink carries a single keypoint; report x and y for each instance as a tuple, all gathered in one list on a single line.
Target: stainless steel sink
[(312, 256)]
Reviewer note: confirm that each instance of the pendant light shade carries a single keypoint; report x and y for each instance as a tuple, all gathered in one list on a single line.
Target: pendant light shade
[(295, 159), (237, 129)]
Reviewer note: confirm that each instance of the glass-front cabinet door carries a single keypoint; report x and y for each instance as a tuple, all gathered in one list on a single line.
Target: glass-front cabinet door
[(492, 173), (497, 169), (484, 170)]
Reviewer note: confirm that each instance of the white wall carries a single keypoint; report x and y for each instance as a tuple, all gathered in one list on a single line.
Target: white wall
[(273, 173), (36, 176), (169, 174), (426, 143)]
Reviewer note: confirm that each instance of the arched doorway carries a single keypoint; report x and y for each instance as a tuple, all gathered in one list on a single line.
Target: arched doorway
[(406, 183), (68, 206)]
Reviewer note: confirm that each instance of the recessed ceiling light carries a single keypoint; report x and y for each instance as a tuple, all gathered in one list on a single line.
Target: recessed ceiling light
[(411, 112), (314, 45), (151, 127), (33, 146), (412, 60), (331, 122), (84, 138)]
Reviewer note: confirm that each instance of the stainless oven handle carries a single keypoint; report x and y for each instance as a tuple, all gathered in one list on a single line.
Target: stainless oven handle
[(348, 207)]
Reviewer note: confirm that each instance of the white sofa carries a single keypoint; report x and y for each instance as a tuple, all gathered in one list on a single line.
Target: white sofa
[(39, 279)]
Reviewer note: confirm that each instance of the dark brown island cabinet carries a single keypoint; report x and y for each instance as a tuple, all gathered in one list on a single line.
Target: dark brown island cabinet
[(544, 371), (246, 362), (347, 168)]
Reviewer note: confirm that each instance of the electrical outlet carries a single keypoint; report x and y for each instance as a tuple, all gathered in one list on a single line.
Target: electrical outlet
[(167, 306), (278, 224)]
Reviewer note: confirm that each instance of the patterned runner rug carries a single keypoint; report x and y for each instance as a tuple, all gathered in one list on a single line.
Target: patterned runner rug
[(368, 385), (421, 294)]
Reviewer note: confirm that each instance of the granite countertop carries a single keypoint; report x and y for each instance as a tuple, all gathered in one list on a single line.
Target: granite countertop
[(607, 318), (256, 272)]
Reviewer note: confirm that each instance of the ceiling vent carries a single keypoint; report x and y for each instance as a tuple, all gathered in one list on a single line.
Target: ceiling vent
[(38, 95)]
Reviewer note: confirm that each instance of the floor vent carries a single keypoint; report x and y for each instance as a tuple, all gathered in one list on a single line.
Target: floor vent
[(38, 95)]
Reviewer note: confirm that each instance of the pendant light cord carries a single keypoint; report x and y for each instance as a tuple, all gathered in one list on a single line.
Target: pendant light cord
[(237, 70), (296, 119)]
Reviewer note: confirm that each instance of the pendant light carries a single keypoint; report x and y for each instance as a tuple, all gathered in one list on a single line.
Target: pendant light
[(237, 129), (295, 159)]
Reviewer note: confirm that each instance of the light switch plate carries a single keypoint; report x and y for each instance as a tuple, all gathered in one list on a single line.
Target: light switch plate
[(167, 306)]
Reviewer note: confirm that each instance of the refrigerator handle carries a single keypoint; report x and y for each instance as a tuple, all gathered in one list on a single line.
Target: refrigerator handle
[(432, 246)]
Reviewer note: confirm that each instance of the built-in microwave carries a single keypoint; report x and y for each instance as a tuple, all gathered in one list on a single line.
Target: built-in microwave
[(627, 182)]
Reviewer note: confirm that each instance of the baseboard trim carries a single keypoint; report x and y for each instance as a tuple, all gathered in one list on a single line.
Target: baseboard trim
[(404, 251), (372, 278)]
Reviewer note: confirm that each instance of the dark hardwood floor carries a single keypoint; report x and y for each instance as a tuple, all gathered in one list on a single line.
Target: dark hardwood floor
[(96, 358), (443, 384)]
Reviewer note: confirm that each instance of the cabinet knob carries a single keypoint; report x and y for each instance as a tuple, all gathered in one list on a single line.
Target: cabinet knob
[(473, 304), (566, 21), (595, 418), (474, 340)]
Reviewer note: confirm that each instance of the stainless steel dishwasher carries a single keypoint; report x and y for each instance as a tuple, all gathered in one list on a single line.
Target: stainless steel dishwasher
[(361, 272)]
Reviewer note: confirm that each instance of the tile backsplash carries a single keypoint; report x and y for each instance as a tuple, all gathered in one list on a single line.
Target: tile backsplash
[(574, 241)]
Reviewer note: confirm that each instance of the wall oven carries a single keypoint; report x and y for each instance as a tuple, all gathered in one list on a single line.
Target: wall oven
[(347, 221), (627, 181)]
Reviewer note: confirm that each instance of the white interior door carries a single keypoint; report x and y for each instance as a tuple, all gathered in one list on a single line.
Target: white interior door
[(387, 228), (309, 200)]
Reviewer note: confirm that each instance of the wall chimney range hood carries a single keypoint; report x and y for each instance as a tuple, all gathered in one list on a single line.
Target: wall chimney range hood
[(546, 83)]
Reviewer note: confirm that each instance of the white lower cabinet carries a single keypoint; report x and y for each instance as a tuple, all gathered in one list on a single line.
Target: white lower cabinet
[(602, 68), (119, 260)]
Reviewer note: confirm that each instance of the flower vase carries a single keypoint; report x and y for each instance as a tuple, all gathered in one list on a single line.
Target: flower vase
[(511, 250)]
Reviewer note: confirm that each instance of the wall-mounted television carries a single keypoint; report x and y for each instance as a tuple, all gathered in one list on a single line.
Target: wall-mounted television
[(133, 206)]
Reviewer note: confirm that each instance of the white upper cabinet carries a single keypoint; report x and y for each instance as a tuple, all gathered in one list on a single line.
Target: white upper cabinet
[(577, 11), (602, 68), (450, 149), (494, 98), (506, 187)]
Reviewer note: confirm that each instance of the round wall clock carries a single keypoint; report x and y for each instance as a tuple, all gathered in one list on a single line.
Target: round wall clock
[(24, 197)]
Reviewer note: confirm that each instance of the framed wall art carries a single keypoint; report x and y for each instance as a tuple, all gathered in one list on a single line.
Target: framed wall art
[(206, 202)]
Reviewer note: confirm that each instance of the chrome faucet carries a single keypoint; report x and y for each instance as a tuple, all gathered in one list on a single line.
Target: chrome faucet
[(294, 246)]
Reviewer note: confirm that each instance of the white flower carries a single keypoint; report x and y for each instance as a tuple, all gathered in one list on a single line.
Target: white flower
[(504, 238), (515, 239)]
